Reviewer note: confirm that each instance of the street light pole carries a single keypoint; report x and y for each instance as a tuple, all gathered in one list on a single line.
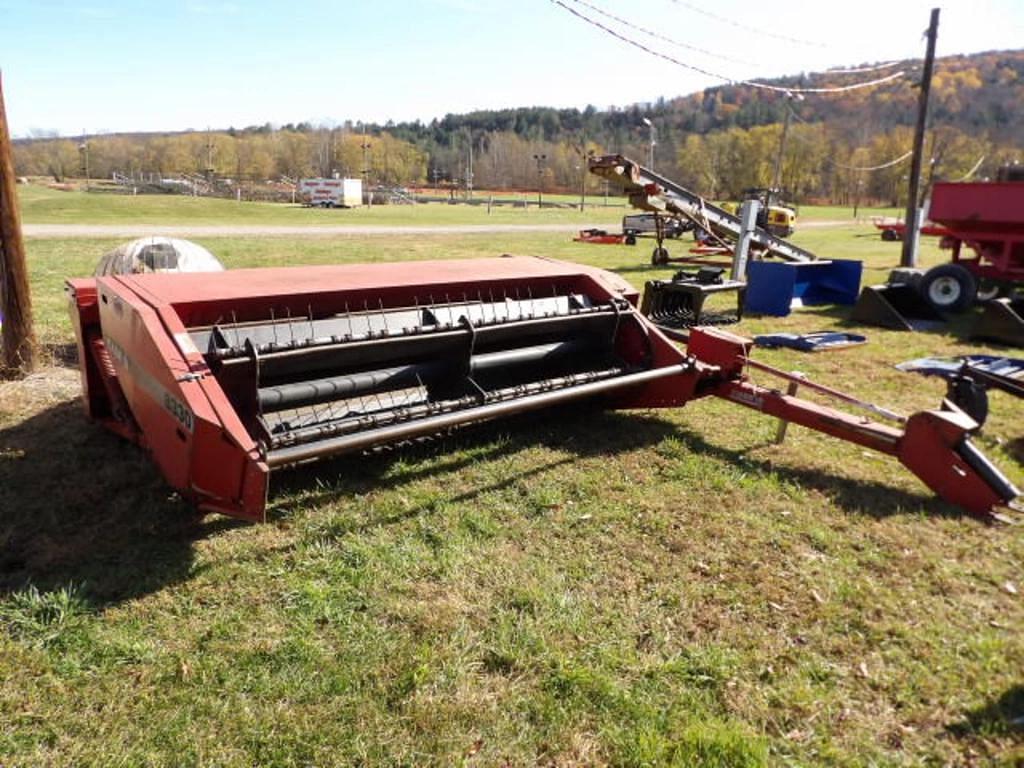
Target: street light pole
[(83, 148), (653, 134), (366, 169), (469, 167), (541, 159), (584, 169)]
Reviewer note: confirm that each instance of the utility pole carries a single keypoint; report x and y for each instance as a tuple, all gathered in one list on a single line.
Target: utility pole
[(777, 175), (17, 340), (908, 258)]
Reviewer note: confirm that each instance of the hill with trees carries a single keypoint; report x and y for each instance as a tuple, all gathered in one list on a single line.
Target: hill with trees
[(719, 141)]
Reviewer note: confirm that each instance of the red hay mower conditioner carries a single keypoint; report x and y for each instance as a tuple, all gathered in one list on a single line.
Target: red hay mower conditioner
[(229, 376)]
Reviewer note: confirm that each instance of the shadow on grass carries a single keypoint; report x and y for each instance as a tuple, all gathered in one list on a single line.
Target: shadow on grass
[(960, 327), (1002, 717), (82, 506), (1016, 449), (875, 500), (581, 430)]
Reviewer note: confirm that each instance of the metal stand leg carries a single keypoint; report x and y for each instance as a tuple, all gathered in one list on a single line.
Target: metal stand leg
[(780, 433)]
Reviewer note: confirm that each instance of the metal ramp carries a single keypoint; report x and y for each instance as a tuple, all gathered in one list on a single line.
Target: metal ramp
[(650, 191)]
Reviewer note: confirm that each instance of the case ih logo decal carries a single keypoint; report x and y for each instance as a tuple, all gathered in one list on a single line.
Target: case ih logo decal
[(156, 390)]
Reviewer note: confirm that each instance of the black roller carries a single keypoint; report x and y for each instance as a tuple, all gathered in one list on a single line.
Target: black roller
[(303, 393)]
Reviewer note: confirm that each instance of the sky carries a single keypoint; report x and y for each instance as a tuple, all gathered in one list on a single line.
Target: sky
[(99, 66)]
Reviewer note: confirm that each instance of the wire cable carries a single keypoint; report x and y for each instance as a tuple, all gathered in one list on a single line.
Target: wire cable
[(662, 37), (974, 169), (844, 166), (861, 70), (729, 80), (866, 168), (738, 25)]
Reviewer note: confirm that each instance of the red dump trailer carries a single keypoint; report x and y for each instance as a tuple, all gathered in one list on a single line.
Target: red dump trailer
[(987, 217)]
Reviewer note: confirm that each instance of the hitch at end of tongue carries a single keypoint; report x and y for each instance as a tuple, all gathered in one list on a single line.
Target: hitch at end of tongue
[(936, 447)]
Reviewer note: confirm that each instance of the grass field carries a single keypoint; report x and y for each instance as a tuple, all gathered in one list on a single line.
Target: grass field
[(629, 589), (42, 205)]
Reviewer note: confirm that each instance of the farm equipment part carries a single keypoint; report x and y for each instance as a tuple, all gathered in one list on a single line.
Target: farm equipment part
[(968, 379), (1001, 321), (987, 217), (654, 225), (773, 215), (775, 287), (226, 377), (897, 304), (599, 236), (801, 274), (893, 230), (649, 191), (680, 302), (820, 341)]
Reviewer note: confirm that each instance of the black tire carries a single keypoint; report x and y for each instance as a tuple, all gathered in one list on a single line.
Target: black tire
[(891, 235), (659, 257), (949, 288), (630, 239), (971, 398)]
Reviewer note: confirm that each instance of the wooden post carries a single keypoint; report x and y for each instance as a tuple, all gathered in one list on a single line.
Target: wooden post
[(912, 218), (17, 341)]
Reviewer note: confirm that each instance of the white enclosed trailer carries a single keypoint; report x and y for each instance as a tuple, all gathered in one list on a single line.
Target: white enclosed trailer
[(331, 193)]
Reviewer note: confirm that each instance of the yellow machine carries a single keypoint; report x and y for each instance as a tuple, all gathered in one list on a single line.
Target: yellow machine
[(778, 219)]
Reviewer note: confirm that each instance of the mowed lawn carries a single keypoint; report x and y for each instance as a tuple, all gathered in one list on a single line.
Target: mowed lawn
[(578, 588)]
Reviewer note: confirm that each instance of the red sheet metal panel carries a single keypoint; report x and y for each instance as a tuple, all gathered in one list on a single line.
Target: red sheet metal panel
[(982, 207)]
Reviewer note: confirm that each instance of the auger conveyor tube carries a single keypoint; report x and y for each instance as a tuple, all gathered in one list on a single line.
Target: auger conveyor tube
[(651, 191), (227, 377)]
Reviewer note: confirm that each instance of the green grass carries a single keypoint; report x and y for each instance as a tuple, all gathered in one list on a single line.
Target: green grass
[(42, 205), (639, 589)]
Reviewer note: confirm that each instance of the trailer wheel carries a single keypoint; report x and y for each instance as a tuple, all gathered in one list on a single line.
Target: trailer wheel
[(630, 240), (949, 288), (971, 398), (890, 235), (659, 257)]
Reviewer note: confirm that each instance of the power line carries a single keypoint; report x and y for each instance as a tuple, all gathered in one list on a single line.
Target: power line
[(974, 169), (738, 25), (844, 166), (731, 81), (879, 167), (861, 70), (662, 37)]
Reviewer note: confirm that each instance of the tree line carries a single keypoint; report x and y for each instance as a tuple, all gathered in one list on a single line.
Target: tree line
[(719, 141)]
